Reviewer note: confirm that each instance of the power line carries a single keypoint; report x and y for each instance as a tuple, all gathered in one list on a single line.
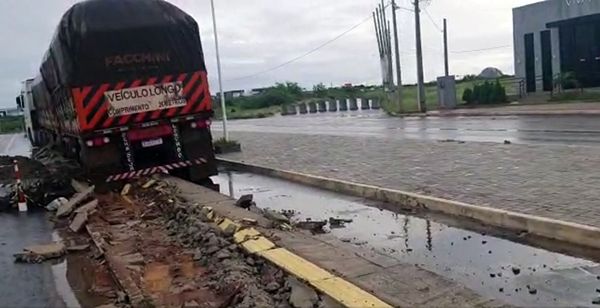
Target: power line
[(308, 52), (482, 49), (432, 21)]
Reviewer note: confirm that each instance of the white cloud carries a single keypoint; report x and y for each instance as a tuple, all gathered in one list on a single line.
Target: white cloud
[(259, 34)]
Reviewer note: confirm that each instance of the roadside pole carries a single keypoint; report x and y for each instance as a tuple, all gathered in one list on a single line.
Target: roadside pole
[(421, 87), (398, 72), (223, 109), (446, 70)]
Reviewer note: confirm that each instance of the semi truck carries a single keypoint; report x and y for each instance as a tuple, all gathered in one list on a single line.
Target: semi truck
[(123, 88)]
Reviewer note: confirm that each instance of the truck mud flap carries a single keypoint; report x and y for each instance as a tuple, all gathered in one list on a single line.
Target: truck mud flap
[(156, 169)]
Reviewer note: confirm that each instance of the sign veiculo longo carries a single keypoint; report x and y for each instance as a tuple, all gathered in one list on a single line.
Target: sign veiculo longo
[(145, 98)]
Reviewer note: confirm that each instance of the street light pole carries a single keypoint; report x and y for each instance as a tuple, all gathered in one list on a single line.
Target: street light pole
[(223, 110)]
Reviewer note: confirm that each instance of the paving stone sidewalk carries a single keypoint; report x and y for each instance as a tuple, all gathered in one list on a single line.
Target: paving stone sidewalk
[(560, 182)]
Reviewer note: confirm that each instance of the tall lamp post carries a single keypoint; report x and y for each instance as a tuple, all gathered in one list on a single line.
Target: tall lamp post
[(223, 110)]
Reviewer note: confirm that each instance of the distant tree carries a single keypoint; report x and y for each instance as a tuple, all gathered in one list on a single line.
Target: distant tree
[(320, 90), (500, 91), (467, 96), (476, 93)]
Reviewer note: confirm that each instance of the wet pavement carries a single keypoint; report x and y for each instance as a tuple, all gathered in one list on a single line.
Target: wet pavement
[(29, 285), (492, 266), (564, 130)]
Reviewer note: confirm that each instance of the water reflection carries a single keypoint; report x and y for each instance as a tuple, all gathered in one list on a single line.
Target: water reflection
[(463, 256)]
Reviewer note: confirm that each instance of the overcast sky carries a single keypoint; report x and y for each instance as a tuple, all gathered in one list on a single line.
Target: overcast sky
[(256, 35)]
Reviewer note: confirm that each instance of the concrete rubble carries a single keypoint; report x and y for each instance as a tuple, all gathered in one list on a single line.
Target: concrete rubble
[(244, 279), (40, 253)]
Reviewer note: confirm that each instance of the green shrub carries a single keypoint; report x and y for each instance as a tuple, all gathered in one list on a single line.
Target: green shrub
[(486, 93), (467, 96)]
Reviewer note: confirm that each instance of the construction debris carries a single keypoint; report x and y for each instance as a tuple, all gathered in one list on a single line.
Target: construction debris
[(40, 253), (149, 184), (338, 222), (275, 216), (56, 203), (67, 208), (79, 221), (125, 189), (245, 201), (313, 226)]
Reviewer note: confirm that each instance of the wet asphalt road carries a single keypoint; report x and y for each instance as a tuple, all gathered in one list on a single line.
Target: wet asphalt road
[(28, 285), (565, 130), (479, 261)]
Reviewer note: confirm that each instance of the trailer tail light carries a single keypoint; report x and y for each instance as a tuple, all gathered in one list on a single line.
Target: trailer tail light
[(150, 133), (98, 141), (200, 123)]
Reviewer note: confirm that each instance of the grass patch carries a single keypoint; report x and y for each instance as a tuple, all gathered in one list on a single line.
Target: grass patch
[(11, 124), (236, 113), (576, 95)]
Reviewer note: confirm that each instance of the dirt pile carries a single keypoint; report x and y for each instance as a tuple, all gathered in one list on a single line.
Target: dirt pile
[(44, 178)]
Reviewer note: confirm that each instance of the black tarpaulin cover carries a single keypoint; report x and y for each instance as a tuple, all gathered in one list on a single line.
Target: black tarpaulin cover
[(101, 41)]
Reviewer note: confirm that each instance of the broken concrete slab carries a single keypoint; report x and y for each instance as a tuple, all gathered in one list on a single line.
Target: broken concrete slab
[(67, 208), (275, 216), (88, 208), (149, 184), (39, 253), (81, 247), (301, 296), (79, 221), (56, 203), (79, 186), (125, 189)]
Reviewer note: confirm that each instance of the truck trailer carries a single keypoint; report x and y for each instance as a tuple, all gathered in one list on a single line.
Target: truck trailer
[(123, 88)]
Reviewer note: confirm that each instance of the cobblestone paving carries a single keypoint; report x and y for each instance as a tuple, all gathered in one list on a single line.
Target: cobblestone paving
[(560, 182)]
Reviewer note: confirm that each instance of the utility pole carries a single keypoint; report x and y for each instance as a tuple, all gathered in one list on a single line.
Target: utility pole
[(446, 49), (420, 83), (398, 72), (223, 108), (388, 43)]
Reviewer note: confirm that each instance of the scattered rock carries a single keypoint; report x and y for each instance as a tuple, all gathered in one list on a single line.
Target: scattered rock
[(596, 301), (516, 270), (338, 222), (245, 201), (249, 222), (507, 142), (345, 240), (275, 216), (501, 290), (492, 275), (532, 291), (301, 296), (56, 203), (272, 287), (314, 226), (134, 259), (223, 254), (149, 184), (125, 189), (483, 242)]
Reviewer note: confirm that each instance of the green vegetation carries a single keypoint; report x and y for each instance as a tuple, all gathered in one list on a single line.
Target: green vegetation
[(11, 124), (485, 93), (575, 95)]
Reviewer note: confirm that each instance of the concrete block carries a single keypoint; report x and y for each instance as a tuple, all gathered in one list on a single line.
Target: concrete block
[(321, 106), (78, 222), (375, 104), (332, 105), (352, 104), (343, 104), (312, 107), (364, 104), (303, 108)]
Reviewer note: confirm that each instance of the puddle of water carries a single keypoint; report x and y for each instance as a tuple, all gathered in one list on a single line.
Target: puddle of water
[(483, 263), (63, 288)]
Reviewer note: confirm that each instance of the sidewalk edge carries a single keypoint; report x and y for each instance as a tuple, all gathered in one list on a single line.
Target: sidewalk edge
[(546, 227)]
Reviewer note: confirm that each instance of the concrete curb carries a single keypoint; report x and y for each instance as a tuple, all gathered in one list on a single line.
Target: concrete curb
[(550, 228)]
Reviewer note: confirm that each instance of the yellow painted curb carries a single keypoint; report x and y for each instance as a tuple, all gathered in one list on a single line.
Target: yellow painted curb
[(339, 289), (347, 294)]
